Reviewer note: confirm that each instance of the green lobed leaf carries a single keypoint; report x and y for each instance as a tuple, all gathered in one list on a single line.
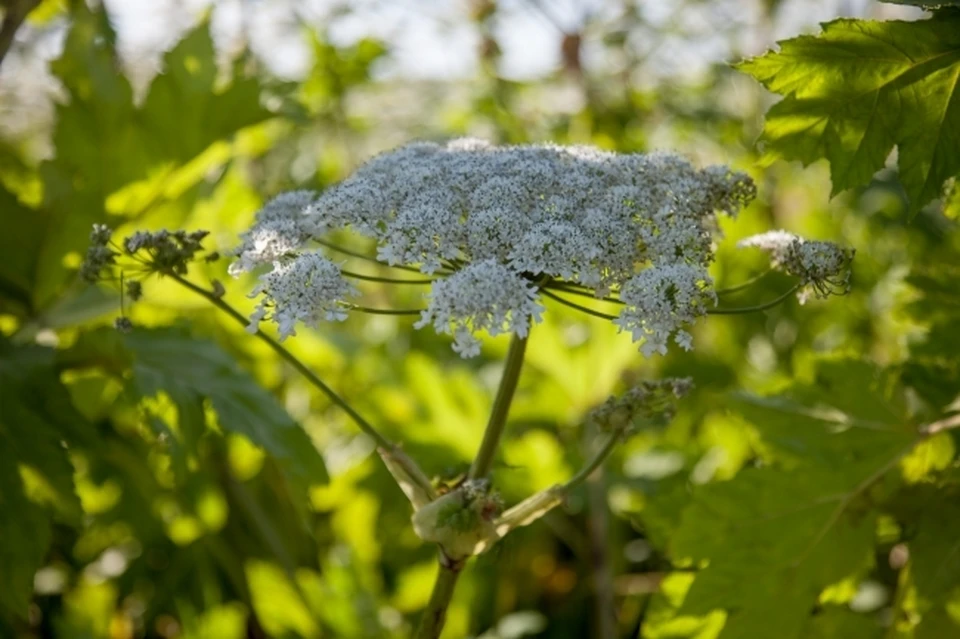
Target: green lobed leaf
[(185, 110), (860, 88), (188, 370), (107, 145), (773, 538)]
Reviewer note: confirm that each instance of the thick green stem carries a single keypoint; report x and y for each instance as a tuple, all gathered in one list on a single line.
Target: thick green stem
[(399, 457), (501, 406), (431, 624), (598, 530)]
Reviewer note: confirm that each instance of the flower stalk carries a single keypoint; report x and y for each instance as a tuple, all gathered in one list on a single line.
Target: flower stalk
[(435, 615), (501, 406), (413, 474)]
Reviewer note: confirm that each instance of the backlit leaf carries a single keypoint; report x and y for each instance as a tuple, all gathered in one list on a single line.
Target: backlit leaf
[(860, 88)]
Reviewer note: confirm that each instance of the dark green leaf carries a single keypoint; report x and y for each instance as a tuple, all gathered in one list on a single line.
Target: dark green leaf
[(860, 88), (931, 519), (25, 535), (19, 246), (775, 537), (774, 540), (840, 623), (37, 421)]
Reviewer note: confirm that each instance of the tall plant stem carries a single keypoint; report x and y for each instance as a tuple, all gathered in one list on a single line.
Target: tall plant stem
[(501, 406), (416, 474), (598, 527), (431, 624), (434, 617)]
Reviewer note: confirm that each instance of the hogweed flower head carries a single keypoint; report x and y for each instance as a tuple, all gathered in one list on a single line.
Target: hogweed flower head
[(308, 290), (485, 296), (495, 223), (822, 267)]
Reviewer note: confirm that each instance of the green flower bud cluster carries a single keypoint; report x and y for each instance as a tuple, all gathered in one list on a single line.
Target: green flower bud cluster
[(99, 255), (169, 251), (650, 403), (163, 252)]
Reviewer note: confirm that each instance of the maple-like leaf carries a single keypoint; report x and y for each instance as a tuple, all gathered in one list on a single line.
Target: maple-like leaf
[(774, 537), (860, 88)]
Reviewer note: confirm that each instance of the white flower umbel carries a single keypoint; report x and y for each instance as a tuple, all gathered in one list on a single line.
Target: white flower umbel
[(488, 222), (823, 267), (660, 301), (308, 289), (281, 227), (424, 234), (485, 296)]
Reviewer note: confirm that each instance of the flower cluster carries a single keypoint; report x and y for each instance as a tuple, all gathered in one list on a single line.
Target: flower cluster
[(163, 252), (823, 267), (660, 299), (100, 255), (278, 232), (649, 403), (166, 251), (484, 296), (308, 290), (495, 223)]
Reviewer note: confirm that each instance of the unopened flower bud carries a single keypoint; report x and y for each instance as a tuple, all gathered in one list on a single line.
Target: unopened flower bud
[(134, 290), (648, 403), (123, 324)]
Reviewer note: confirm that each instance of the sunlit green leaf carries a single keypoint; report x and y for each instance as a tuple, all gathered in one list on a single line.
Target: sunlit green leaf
[(106, 143), (860, 88), (774, 541), (776, 537), (187, 370)]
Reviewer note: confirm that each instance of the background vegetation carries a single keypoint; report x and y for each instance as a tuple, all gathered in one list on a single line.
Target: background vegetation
[(182, 481)]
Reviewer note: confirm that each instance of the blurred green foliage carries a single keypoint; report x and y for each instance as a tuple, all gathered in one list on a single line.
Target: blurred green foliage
[(182, 481)]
